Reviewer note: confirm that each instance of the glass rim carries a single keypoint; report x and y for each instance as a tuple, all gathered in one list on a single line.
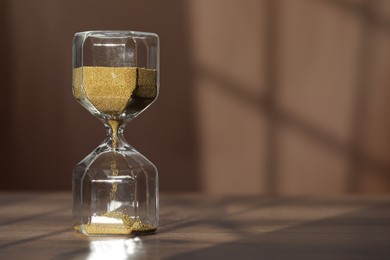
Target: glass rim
[(115, 34)]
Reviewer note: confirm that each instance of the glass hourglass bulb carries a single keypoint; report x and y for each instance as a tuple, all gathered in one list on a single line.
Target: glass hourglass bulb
[(115, 77)]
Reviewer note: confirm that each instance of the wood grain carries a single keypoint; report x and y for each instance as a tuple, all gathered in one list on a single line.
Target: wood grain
[(195, 226)]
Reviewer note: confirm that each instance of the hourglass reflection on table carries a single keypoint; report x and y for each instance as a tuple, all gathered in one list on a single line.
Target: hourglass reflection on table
[(115, 77)]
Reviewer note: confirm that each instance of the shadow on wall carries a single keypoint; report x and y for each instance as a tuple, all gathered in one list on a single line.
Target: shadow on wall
[(322, 103)]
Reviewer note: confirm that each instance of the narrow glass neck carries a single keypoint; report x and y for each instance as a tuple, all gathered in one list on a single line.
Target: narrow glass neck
[(115, 137)]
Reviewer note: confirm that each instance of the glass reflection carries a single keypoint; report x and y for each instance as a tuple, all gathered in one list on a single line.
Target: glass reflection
[(114, 248)]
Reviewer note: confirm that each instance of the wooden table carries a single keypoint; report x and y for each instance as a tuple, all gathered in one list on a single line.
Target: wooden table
[(38, 226)]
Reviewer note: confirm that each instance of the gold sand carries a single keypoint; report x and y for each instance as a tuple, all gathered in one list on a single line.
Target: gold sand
[(109, 90), (127, 226)]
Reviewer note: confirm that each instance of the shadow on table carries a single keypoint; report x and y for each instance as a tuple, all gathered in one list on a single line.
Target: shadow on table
[(217, 211), (364, 234), (360, 234), (32, 216)]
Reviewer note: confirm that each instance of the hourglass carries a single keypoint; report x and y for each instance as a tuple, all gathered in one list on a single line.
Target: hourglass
[(115, 77)]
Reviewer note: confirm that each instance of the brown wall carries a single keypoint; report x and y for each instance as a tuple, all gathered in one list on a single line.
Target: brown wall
[(50, 132), (270, 96)]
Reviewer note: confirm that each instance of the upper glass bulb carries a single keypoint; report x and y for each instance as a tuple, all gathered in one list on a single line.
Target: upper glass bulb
[(116, 74)]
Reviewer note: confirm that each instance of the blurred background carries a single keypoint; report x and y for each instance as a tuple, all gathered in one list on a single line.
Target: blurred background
[(258, 96)]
